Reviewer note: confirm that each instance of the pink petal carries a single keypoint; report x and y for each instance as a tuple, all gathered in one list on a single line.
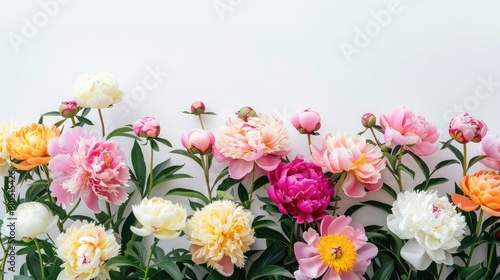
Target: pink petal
[(225, 266), (352, 187), (268, 162), (239, 168)]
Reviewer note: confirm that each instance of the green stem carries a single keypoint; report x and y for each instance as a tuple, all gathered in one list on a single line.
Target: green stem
[(149, 258), (4, 259), (490, 257), (42, 267), (400, 180), (339, 187), (409, 273), (45, 169), (150, 187), (201, 122), (476, 235), (464, 164), (251, 187), (440, 270), (375, 137), (205, 167), (309, 143), (291, 238), (73, 121), (102, 123), (71, 212), (108, 209)]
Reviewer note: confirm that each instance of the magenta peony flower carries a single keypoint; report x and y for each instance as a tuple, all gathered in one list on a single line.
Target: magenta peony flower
[(300, 189), (84, 166), (306, 121), (198, 141), (361, 160), (146, 127), (260, 140), (490, 146), (403, 127), (340, 251), (465, 128)]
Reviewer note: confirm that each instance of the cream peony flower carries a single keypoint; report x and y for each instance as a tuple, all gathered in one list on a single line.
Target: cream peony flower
[(84, 248), (6, 128), (29, 220), (96, 90), (220, 234), (160, 217), (431, 224)]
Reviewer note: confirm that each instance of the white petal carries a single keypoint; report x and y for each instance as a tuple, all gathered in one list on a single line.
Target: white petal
[(413, 253)]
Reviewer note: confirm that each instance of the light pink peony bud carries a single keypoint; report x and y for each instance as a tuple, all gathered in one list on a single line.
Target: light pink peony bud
[(68, 109), (146, 127), (368, 120), (198, 141), (197, 108), (464, 128), (246, 112), (307, 121)]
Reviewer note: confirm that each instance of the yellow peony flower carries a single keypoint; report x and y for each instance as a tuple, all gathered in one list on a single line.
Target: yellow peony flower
[(6, 128), (220, 234), (29, 145), (84, 249)]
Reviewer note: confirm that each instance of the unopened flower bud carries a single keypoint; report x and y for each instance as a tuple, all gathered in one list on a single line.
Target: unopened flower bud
[(368, 120), (198, 141), (246, 112), (68, 109), (464, 128), (385, 148), (197, 108), (306, 122), (146, 127)]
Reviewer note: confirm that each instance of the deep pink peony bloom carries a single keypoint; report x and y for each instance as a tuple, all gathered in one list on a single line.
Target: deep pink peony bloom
[(403, 127), (198, 141), (361, 160), (490, 146), (260, 140), (340, 251), (306, 121), (464, 128), (300, 189), (146, 127), (87, 167)]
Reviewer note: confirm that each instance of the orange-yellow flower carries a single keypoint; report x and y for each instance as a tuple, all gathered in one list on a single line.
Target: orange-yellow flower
[(29, 145), (480, 189)]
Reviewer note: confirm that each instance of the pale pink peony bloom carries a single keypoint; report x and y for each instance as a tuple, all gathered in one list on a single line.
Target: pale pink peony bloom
[(361, 160), (260, 140), (300, 189), (490, 146), (306, 121), (146, 126), (198, 141), (403, 127), (87, 167), (464, 129), (340, 251)]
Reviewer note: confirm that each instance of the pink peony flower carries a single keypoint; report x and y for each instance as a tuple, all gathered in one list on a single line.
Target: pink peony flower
[(403, 127), (490, 146), (260, 140), (361, 160), (307, 121), (146, 127), (464, 128), (198, 141), (84, 166), (340, 251), (300, 189)]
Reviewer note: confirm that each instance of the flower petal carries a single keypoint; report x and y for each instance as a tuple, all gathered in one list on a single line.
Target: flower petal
[(463, 202), (415, 254)]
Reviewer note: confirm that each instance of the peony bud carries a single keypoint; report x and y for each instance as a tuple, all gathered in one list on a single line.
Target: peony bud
[(246, 112), (464, 128), (68, 109), (146, 127), (197, 108), (32, 219), (306, 122), (198, 141), (368, 120)]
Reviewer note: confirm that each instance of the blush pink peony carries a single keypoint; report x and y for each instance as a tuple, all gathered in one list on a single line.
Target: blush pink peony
[(87, 167), (490, 146), (464, 128)]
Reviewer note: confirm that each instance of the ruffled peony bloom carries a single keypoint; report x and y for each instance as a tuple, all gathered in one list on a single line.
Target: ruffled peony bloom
[(31, 219), (300, 189), (361, 160), (306, 121), (84, 166), (146, 127), (403, 127), (431, 224), (490, 146), (29, 145), (480, 189), (260, 140), (96, 90), (340, 251), (198, 141), (464, 129), (84, 248), (6, 128), (220, 233), (160, 217)]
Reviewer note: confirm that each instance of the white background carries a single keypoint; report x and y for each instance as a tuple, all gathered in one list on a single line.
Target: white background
[(339, 58)]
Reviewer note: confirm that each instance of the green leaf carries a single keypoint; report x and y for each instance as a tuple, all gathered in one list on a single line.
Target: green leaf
[(228, 183), (261, 181), (242, 193), (141, 252), (272, 255), (57, 210), (385, 271), (82, 218), (271, 235), (432, 182), (392, 159), (261, 223), (351, 210), (475, 160), (380, 205), (154, 145), (195, 206), (171, 268), (123, 131), (402, 167), (188, 193), (423, 166), (52, 114), (22, 277), (458, 154), (122, 261), (139, 167), (84, 120), (224, 195), (466, 242), (272, 270), (445, 163), (186, 154), (34, 270), (164, 141), (389, 190)]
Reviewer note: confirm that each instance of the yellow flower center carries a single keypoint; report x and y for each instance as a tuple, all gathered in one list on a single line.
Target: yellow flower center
[(338, 252)]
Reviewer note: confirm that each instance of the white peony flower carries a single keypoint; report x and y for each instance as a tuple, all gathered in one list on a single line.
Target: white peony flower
[(29, 220), (431, 224), (6, 128), (96, 90)]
